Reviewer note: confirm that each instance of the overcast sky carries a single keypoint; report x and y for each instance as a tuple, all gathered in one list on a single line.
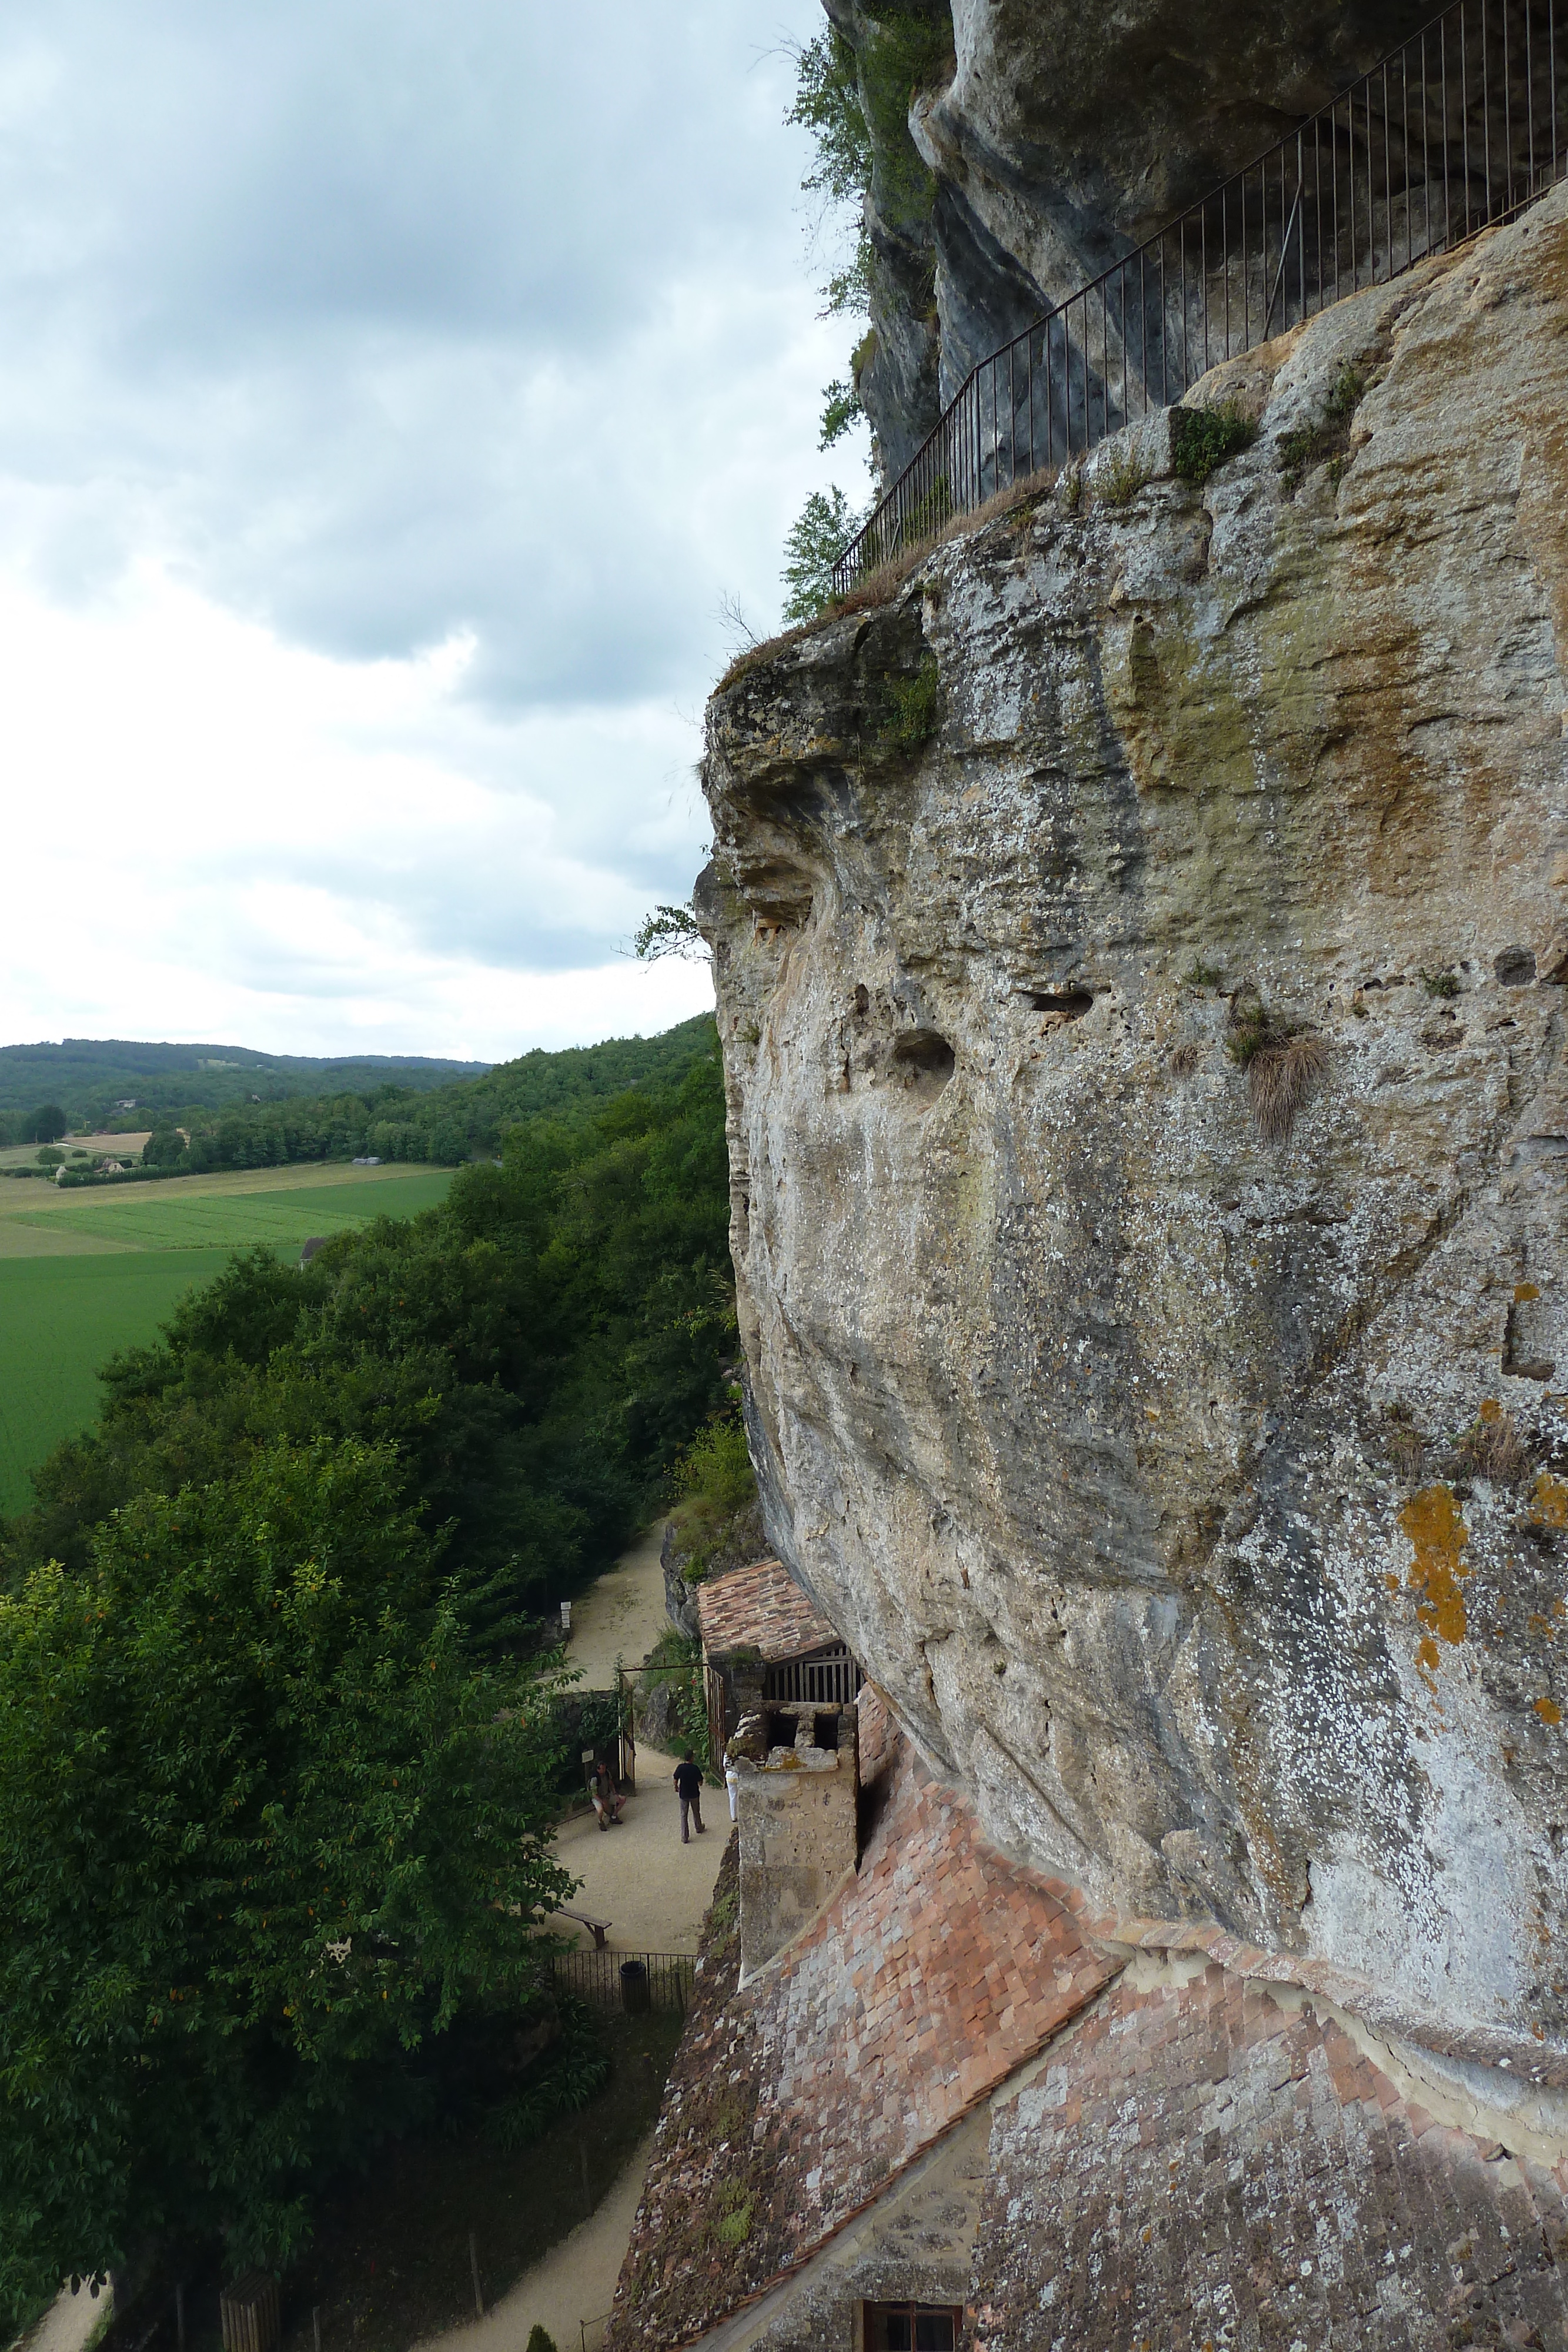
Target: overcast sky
[(390, 390)]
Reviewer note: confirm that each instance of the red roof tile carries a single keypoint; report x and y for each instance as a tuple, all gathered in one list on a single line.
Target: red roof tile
[(761, 1608), (870, 2037)]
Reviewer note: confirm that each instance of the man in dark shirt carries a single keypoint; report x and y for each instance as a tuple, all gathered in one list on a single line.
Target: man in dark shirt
[(689, 1789)]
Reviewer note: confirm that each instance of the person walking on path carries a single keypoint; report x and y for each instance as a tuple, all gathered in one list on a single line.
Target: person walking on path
[(689, 1789), (732, 1783), (607, 1799)]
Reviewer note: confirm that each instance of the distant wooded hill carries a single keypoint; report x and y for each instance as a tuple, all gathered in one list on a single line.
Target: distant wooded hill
[(88, 1075), (394, 1110)]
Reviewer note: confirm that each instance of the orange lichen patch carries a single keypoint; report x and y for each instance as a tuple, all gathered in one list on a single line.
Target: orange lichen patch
[(1437, 1536), (1426, 1661), (1490, 1409), (1524, 1291), (1392, 1582), (1548, 1710), (1549, 1506)]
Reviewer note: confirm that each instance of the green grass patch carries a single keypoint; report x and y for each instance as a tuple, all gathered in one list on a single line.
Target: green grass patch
[(110, 1268), (156, 1217), (60, 1319), (912, 708), (1327, 441)]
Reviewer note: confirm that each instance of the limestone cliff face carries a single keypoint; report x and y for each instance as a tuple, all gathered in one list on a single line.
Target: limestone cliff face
[(1059, 137), (1198, 1499)]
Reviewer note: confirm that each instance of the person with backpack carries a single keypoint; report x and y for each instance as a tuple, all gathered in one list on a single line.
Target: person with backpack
[(689, 1789)]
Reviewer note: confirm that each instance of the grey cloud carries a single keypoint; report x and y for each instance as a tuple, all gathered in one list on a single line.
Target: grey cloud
[(381, 320)]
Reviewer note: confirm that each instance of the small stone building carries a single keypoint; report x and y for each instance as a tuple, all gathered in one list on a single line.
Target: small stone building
[(765, 1643), (949, 2109)]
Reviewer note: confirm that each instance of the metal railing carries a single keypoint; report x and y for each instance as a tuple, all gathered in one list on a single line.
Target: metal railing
[(831, 1678), (1456, 129), (596, 1976)]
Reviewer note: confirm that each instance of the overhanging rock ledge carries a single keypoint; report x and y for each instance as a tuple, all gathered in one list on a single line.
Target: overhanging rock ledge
[(1196, 1492)]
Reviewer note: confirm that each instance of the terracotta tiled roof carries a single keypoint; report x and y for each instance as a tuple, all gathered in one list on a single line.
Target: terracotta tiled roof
[(763, 1607), (936, 1973)]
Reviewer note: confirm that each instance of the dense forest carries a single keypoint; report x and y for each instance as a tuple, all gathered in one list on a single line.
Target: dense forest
[(274, 1628), (392, 1121)]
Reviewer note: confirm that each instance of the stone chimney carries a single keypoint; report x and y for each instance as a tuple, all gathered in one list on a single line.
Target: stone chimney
[(797, 1768)]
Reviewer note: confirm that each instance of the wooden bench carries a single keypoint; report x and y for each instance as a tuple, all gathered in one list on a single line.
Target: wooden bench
[(588, 1919)]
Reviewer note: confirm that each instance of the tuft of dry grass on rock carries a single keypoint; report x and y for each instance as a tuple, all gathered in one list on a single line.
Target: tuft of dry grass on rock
[(752, 657), (1494, 1449), (1281, 1076), (881, 586), (1184, 1060), (1123, 476)]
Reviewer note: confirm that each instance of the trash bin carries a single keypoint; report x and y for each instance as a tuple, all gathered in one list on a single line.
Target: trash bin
[(636, 1993)]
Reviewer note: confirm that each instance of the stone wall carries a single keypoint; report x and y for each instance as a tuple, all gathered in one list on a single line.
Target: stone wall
[(797, 1808)]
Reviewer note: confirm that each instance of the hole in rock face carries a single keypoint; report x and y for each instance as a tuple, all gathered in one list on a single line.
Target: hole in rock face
[(924, 1060), (1073, 1003), (1515, 967), (862, 1000)]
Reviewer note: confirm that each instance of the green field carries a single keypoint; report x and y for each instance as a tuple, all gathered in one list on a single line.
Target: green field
[(83, 1274)]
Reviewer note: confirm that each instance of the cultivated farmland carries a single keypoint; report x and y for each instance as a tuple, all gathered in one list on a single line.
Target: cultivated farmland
[(85, 1273)]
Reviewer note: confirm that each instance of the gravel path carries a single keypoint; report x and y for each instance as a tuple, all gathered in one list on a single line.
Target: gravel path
[(70, 2319), (639, 1876), (655, 1892), (568, 2294)]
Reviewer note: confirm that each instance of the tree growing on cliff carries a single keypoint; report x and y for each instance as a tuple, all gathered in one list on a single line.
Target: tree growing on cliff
[(267, 1827), (826, 524), (668, 931)]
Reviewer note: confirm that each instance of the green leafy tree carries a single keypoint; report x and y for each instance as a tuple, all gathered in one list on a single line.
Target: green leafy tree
[(668, 930), (51, 1156), (165, 1147), (46, 1125), (268, 1827), (841, 409), (828, 105), (826, 524)]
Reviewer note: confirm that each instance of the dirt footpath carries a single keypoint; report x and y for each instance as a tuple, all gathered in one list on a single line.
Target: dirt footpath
[(653, 1891), (639, 1876), (569, 2293), (73, 2317), (621, 1615)]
